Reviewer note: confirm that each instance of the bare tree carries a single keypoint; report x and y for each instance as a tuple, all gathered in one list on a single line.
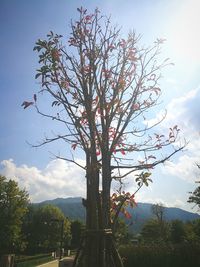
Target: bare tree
[(103, 87), (158, 210)]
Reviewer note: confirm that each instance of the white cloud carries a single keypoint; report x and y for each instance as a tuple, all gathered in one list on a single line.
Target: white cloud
[(185, 168), (64, 179), (185, 112), (58, 179)]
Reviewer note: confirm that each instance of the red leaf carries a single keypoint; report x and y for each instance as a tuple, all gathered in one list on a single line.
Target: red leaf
[(35, 97), (26, 104), (74, 146), (98, 152), (55, 54), (151, 157), (88, 17), (123, 152), (156, 90), (152, 77), (127, 215), (135, 106)]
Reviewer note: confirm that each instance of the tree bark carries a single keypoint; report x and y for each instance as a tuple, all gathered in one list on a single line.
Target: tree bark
[(98, 245)]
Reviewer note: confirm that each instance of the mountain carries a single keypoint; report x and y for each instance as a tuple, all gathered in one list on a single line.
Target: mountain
[(143, 212), (73, 209)]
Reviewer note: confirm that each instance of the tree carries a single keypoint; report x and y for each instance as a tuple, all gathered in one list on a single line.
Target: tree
[(177, 231), (158, 211), (77, 228), (13, 207), (195, 195), (102, 87), (150, 231), (46, 229), (121, 234), (192, 230), (156, 230)]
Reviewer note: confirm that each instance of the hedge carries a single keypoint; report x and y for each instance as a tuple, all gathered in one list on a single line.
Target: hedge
[(32, 261), (185, 255)]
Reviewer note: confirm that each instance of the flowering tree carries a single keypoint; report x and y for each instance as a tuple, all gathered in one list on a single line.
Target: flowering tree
[(102, 88)]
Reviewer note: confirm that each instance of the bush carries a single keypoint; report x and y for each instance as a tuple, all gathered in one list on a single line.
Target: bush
[(32, 261), (185, 255)]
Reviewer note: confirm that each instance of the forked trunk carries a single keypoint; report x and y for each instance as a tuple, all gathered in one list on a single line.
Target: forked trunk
[(97, 248)]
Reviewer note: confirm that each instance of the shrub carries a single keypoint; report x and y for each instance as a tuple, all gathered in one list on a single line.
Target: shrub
[(185, 255), (32, 261)]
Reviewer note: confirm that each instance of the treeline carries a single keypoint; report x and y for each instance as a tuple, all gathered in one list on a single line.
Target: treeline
[(163, 244), (158, 230), (30, 229)]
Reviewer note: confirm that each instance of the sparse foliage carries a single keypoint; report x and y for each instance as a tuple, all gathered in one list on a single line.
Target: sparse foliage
[(158, 211), (102, 87), (195, 195)]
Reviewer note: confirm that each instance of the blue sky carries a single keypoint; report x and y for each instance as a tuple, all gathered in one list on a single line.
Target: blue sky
[(23, 22)]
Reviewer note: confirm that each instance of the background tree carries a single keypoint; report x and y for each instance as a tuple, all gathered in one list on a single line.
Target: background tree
[(150, 232), (195, 195), (156, 230), (102, 87), (177, 231), (43, 229), (121, 234), (13, 206), (158, 211), (77, 229), (192, 230)]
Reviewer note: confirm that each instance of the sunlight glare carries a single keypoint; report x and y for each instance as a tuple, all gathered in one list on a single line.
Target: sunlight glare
[(185, 31)]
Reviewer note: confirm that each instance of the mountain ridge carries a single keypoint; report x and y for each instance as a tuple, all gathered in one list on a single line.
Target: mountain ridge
[(73, 209)]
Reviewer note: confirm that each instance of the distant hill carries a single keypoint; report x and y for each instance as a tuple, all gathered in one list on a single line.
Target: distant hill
[(142, 213), (73, 209)]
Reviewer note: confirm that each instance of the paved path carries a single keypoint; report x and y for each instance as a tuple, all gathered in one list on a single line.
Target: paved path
[(49, 264), (55, 263)]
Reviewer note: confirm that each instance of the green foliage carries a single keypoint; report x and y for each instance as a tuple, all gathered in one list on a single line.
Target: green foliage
[(122, 234), (155, 231), (77, 228), (13, 206), (43, 228), (184, 255), (178, 231), (195, 195), (143, 178), (192, 230)]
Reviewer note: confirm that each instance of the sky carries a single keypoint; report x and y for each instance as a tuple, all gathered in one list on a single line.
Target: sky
[(44, 177)]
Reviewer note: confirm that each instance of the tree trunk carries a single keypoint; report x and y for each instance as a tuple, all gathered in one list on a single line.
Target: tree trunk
[(98, 249), (98, 245)]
